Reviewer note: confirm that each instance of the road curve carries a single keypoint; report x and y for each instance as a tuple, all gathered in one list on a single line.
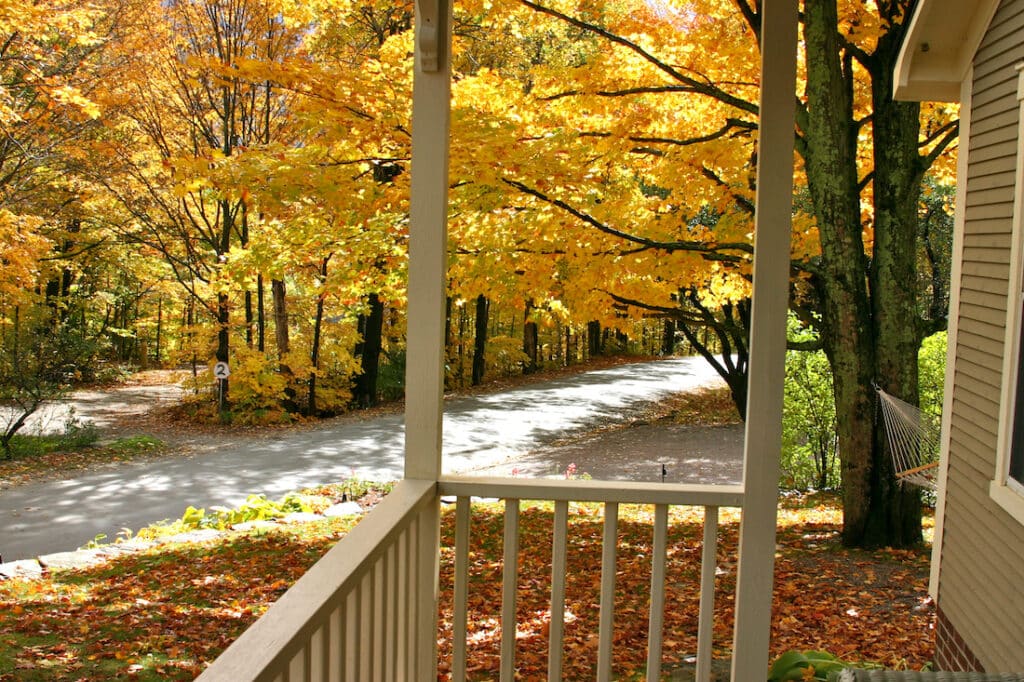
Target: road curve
[(479, 431)]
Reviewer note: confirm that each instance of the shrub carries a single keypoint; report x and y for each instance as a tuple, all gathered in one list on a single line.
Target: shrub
[(931, 363), (810, 446)]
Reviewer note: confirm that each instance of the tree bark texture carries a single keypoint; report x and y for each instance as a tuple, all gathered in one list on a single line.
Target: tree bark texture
[(867, 305)]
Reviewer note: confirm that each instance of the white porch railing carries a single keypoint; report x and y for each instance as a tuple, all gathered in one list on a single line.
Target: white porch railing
[(357, 614), (367, 610), (611, 495)]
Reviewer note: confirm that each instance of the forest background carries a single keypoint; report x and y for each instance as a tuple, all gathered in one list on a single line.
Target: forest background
[(226, 181)]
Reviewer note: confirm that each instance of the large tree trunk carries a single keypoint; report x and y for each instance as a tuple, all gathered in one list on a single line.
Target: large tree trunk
[(894, 512), (853, 337), (480, 339)]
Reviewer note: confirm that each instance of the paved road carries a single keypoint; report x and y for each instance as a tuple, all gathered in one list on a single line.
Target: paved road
[(480, 432)]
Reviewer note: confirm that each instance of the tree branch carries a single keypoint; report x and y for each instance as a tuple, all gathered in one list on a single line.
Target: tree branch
[(951, 133), (704, 88), (707, 250)]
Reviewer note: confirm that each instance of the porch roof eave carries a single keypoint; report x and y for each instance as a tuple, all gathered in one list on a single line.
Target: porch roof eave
[(941, 40)]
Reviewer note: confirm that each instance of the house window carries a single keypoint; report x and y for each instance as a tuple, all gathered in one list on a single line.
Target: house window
[(1007, 487), (1015, 464)]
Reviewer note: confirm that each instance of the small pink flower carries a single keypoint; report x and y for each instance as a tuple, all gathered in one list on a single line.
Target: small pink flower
[(515, 471)]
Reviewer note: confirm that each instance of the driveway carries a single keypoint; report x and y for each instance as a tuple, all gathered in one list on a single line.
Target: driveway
[(494, 433)]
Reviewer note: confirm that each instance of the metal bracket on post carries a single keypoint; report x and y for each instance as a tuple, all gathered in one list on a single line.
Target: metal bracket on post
[(428, 33)]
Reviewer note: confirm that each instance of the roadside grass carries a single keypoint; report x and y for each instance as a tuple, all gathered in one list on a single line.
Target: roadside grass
[(55, 456), (166, 612)]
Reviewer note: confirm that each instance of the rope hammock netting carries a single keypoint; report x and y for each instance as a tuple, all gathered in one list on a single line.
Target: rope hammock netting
[(913, 441)]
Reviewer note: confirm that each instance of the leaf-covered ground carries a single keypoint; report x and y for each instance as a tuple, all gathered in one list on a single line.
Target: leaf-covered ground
[(164, 614), (862, 606)]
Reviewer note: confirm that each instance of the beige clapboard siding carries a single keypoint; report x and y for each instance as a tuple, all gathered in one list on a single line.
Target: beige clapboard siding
[(961, 437), (985, 314), (982, 374), (1000, 37), (983, 344), (980, 422), (972, 620), (993, 166), (995, 123), (982, 545)]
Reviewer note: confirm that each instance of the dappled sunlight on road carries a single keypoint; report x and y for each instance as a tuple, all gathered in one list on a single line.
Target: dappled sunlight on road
[(479, 432)]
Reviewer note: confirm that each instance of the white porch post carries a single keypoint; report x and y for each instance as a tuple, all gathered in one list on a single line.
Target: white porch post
[(424, 375), (773, 223)]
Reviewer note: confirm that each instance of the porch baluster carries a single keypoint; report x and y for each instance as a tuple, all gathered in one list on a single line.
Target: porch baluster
[(461, 590), (657, 617), (706, 613), (606, 628), (510, 583), (559, 569)]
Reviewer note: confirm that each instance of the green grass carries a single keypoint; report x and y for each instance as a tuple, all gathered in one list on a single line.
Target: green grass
[(45, 457)]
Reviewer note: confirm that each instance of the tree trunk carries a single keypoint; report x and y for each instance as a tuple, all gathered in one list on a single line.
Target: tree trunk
[(449, 342), (314, 354), (854, 338), (261, 316), (223, 302), (158, 356), (280, 298), (480, 339), (668, 338), (279, 294), (530, 341), (248, 294), (223, 347), (894, 512), (463, 315), (593, 339), (366, 382)]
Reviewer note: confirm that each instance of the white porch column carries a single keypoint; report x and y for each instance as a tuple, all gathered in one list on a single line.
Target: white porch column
[(424, 373), (428, 261), (773, 224)]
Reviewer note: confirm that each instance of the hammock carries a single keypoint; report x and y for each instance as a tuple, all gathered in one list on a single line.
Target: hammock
[(913, 441)]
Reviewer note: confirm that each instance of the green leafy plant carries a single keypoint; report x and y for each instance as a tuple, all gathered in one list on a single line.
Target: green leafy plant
[(931, 363), (809, 429), (391, 375), (805, 665)]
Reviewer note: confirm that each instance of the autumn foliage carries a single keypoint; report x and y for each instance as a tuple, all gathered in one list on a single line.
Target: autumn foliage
[(163, 615)]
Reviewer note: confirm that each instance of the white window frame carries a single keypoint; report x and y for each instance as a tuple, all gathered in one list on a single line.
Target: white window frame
[(1005, 490)]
